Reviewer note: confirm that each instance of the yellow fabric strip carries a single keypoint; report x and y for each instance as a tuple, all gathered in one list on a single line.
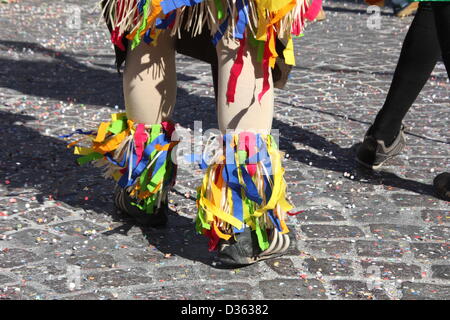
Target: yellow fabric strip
[(220, 234), (272, 48), (83, 151), (118, 116), (112, 143), (261, 34), (204, 193), (217, 192), (167, 147), (102, 131), (273, 5), (279, 186), (225, 217), (288, 53), (282, 9), (284, 227), (284, 204), (70, 145), (155, 11)]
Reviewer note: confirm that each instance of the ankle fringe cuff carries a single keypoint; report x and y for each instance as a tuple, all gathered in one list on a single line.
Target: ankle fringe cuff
[(137, 156), (245, 187)]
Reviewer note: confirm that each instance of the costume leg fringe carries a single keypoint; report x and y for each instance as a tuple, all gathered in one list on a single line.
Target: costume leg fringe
[(244, 187), (137, 156), (142, 18), (262, 22)]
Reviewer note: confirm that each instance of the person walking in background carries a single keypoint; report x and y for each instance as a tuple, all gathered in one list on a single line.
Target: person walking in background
[(426, 41)]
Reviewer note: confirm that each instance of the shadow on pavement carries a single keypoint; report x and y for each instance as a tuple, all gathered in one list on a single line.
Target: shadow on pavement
[(342, 159), (61, 77), (179, 238)]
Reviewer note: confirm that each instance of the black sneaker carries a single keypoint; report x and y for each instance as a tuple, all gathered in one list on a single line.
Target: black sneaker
[(373, 153), (156, 219), (441, 186), (244, 249)]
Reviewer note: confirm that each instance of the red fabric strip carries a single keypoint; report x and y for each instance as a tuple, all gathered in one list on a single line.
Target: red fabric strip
[(236, 71), (213, 238), (168, 127), (266, 61), (295, 213), (140, 138), (247, 142), (313, 10)]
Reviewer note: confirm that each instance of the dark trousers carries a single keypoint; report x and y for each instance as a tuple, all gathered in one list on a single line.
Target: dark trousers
[(427, 39)]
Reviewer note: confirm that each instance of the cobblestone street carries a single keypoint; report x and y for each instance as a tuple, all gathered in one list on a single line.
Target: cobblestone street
[(362, 235)]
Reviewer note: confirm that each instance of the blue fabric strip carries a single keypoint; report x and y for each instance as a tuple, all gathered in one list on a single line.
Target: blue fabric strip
[(230, 176), (165, 23), (196, 158), (241, 24), (141, 5), (275, 220), (170, 5), (122, 164), (265, 158), (147, 39), (223, 27), (78, 131), (250, 188), (124, 182)]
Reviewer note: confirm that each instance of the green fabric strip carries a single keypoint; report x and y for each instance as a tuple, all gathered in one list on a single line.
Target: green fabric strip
[(252, 41), (261, 49), (201, 223), (90, 157), (157, 177), (144, 179), (220, 10), (273, 142), (260, 45), (118, 126), (242, 156), (262, 236), (137, 37)]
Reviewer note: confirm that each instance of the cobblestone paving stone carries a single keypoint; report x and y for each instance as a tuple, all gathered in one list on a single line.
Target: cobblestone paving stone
[(362, 235)]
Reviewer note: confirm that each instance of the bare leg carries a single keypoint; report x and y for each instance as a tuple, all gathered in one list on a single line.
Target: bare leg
[(246, 113), (149, 81), (226, 203)]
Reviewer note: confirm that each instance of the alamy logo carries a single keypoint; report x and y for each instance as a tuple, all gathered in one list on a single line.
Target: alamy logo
[(74, 17), (389, 287), (374, 21), (73, 277)]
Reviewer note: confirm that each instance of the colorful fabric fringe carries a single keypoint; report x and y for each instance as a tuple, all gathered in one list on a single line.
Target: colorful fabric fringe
[(137, 156), (244, 187), (261, 22)]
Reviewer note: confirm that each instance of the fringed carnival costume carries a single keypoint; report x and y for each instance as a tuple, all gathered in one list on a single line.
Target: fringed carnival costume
[(243, 189)]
